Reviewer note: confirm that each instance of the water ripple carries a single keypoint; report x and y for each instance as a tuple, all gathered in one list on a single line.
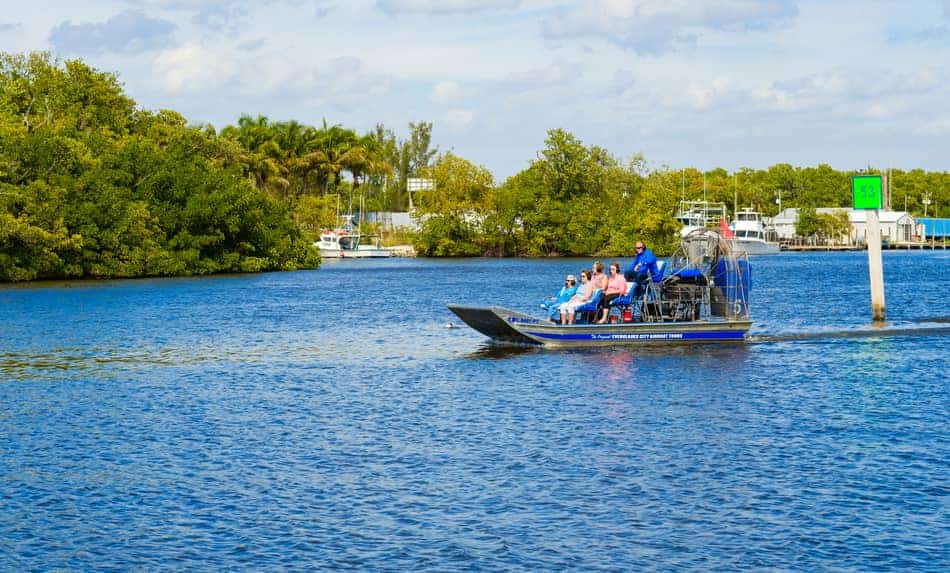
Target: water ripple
[(266, 422)]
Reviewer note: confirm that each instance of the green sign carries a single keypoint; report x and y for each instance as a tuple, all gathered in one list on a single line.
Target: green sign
[(866, 190)]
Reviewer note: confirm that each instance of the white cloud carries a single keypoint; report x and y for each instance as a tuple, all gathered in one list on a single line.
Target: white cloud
[(130, 31), (939, 126), (443, 6), (252, 44), (931, 35), (623, 82), (343, 83), (231, 15), (506, 71), (458, 119), (884, 109), (446, 93), (704, 97), (873, 93), (192, 69), (657, 26), (555, 75)]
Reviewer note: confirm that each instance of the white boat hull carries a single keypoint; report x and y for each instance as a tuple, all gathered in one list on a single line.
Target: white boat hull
[(752, 247), (373, 253)]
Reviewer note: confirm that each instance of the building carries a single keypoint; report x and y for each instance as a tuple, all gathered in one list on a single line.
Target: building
[(934, 228), (896, 226), (390, 220)]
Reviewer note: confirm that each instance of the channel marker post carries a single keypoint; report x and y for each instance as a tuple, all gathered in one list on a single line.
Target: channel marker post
[(867, 191)]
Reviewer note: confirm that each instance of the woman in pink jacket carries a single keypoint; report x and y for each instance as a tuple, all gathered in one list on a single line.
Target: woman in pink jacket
[(616, 286)]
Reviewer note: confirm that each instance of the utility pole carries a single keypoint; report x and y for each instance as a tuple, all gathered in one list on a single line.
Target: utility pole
[(683, 186), (887, 190), (735, 194), (926, 201)]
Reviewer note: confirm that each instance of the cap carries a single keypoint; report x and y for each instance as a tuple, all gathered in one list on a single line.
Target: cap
[(571, 278)]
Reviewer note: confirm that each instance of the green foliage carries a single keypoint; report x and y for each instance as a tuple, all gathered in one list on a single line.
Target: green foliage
[(808, 223), (836, 226), (92, 187), (578, 200), (446, 235), (453, 211), (315, 212), (652, 220)]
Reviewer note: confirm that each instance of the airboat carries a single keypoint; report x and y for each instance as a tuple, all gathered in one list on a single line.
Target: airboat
[(701, 295)]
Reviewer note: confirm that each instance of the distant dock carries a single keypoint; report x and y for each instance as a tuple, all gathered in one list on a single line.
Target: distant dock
[(904, 246), (809, 248), (402, 250)]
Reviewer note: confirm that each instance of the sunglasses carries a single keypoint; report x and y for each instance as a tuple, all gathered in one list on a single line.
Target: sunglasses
[(639, 248)]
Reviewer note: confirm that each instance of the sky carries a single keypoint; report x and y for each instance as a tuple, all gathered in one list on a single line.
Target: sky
[(688, 83)]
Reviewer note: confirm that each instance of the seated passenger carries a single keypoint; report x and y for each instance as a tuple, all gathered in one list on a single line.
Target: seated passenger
[(642, 268), (583, 294), (616, 286), (598, 280), (553, 303)]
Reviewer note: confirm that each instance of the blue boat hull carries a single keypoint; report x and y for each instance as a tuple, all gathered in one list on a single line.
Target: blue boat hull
[(508, 326)]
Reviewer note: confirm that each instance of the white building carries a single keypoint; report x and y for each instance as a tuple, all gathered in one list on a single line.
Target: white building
[(896, 226), (389, 220)]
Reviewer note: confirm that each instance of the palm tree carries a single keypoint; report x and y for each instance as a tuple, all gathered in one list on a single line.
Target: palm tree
[(261, 159), (365, 158), (329, 144)]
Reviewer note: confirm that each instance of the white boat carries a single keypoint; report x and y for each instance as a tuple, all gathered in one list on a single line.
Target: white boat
[(346, 242), (752, 236), (748, 234), (700, 215)]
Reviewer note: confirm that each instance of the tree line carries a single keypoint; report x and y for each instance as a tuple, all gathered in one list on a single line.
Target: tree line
[(92, 186), (580, 200)]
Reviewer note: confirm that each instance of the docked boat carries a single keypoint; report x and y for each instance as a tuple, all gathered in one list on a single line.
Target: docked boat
[(752, 236), (343, 244), (346, 242), (700, 215), (748, 233), (702, 297)]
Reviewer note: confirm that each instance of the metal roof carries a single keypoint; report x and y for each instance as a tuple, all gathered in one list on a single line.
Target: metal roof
[(934, 227)]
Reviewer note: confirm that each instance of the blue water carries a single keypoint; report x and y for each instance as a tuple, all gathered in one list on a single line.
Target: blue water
[(329, 419)]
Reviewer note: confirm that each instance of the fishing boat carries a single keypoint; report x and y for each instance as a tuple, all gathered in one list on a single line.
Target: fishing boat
[(747, 234), (701, 297), (346, 242), (699, 215)]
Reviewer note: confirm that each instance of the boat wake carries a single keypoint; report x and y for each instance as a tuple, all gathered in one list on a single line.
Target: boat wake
[(936, 330)]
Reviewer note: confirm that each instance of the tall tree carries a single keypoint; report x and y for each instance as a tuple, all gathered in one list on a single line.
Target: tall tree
[(419, 147)]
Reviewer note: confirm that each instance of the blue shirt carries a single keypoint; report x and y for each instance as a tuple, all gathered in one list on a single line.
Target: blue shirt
[(647, 261), (565, 294)]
